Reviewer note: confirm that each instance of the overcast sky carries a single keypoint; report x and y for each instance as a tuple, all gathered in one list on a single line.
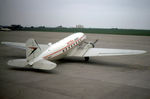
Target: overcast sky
[(90, 13)]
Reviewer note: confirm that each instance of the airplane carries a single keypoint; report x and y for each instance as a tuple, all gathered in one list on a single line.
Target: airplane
[(4, 29), (42, 56)]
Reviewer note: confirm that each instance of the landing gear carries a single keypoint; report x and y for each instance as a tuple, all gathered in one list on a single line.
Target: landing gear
[(86, 58)]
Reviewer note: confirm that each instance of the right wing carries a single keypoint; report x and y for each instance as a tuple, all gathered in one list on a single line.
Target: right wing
[(22, 45), (111, 52)]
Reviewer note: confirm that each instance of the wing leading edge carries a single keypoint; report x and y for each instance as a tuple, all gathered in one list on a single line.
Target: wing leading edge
[(111, 52)]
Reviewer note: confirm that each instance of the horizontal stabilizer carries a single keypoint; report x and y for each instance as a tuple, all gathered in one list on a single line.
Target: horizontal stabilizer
[(41, 64), (18, 62), (44, 65)]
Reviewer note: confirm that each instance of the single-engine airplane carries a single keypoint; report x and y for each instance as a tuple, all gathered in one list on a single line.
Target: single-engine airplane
[(41, 56)]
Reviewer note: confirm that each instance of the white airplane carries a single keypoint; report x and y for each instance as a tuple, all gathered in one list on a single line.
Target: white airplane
[(40, 56)]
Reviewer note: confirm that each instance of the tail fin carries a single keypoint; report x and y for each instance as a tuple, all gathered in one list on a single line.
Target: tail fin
[(32, 49)]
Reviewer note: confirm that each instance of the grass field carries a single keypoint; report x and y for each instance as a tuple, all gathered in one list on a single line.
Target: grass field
[(93, 30)]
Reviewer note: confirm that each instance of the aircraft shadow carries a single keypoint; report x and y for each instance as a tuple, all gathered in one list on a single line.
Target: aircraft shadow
[(34, 70), (81, 61), (102, 63), (14, 57)]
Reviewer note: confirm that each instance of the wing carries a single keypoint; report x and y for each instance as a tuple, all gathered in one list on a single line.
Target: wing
[(111, 52), (15, 45), (22, 45)]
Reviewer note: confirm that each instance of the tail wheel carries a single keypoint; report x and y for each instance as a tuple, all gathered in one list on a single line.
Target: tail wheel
[(86, 58)]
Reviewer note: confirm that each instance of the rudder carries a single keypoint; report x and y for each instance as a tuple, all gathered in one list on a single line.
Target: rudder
[(32, 49)]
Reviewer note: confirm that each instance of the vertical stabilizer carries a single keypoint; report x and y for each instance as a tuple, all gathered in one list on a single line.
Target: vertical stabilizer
[(32, 49)]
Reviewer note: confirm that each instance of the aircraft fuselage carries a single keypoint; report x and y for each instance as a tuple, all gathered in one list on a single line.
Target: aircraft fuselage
[(61, 48)]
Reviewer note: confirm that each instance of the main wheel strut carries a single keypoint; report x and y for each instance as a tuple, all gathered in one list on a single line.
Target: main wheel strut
[(86, 58)]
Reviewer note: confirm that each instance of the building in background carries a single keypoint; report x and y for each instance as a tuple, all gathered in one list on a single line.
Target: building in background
[(79, 26)]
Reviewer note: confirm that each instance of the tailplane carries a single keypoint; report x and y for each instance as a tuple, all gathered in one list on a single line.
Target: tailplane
[(33, 50)]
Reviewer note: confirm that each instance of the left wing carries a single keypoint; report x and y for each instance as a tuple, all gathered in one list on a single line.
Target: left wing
[(22, 45), (111, 52), (15, 45)]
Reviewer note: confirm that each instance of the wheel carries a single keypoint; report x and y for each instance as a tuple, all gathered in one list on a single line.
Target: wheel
[(86, 58)]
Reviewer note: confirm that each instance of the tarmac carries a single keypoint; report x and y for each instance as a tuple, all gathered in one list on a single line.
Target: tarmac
[(115, 77)]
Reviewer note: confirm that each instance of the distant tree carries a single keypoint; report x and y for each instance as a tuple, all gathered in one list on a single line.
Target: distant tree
[(59, 26), (41, 27), (32, 27), (16, 27)]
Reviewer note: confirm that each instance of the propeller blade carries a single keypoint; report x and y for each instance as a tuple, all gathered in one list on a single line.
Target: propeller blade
[(86, 42), (95, 41)]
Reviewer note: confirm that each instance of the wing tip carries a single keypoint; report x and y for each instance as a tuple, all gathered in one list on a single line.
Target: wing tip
[(139, 52)]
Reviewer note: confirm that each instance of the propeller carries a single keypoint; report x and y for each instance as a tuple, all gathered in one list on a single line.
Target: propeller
[(92, 43), (95, 41)]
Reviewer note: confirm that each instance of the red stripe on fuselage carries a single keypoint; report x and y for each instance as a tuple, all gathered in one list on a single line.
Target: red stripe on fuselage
[(63, 48)]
